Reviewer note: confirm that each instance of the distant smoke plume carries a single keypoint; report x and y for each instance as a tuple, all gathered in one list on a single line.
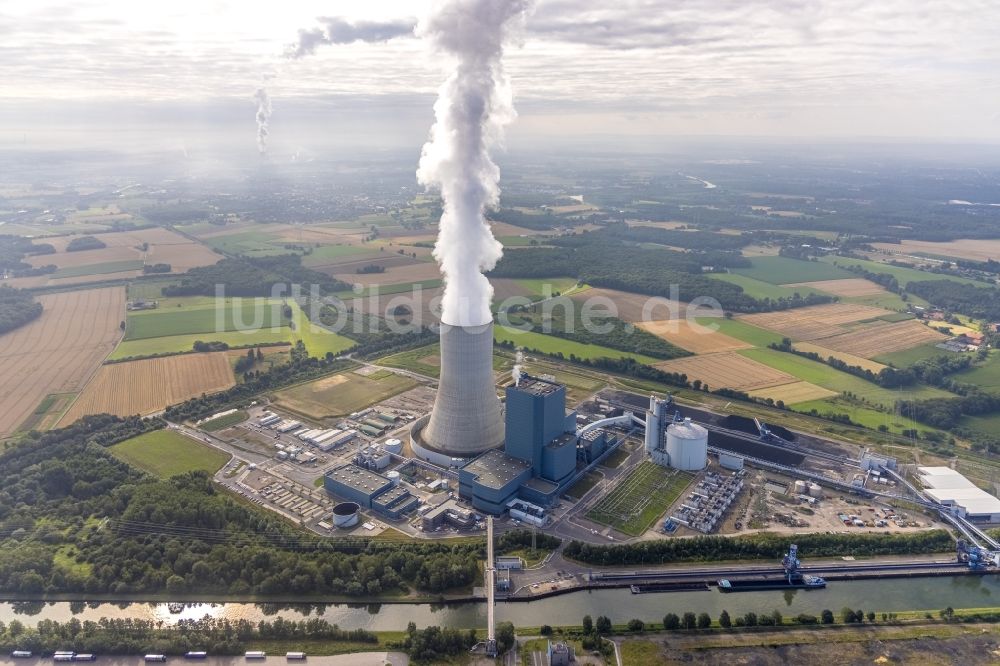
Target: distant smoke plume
[(263, 116), (473, 105), (339, 31)]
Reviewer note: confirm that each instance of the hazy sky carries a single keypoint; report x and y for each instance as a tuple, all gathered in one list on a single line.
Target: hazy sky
[(791, 68)]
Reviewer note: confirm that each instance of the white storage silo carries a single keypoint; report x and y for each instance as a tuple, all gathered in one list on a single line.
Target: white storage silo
[(393, 446), (394, 477), (687, 445), (800, 487), (815, 490)]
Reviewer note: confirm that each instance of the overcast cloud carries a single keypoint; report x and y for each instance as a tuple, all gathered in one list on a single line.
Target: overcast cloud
[(740, 67)]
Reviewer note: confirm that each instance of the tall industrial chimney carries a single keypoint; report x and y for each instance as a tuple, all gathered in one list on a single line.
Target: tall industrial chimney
[(466, 419)]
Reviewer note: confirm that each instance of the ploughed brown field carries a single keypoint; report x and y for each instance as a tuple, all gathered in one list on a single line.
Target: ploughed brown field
[(814, 322), (58, 352), (727, 370), (149, 385), (637, 307), (884, 338)]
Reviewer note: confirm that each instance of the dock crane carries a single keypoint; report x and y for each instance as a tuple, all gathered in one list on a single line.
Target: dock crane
[(791, 562)]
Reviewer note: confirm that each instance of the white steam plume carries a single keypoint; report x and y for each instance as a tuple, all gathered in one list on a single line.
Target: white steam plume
[(339, 31), (263, 117), (473, 105)]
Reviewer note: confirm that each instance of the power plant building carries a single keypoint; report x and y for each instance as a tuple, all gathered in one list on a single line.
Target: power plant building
[(682, 445), (369, 489), (539, 455)]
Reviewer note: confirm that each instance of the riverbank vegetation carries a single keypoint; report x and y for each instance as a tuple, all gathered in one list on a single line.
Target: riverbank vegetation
[(758, 547)]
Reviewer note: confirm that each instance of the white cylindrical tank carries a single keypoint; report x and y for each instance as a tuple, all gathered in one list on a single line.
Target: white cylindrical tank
[(393, 446), (345, 514), (800, 487), (815, 490), (394, 477), (687, 445)]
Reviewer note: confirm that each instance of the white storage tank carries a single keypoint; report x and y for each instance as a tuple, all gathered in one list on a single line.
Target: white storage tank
[(394, 477), (815, 490), (800, 487), (687, 445), (346, 514), (393, 446)]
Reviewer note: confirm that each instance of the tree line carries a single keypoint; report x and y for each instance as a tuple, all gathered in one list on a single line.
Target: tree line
[(134, 636), (757, 547), (256, 276), (17, 308)]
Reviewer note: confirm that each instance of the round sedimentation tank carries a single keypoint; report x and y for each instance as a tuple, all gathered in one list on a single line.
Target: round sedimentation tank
[(394, 477), (346, 514), (800, 487), (815, 490), (687, 445), (393, 446)]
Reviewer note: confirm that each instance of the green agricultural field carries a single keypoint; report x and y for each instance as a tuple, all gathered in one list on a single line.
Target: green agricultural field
[(734, 328), (638, 501), (864, 416), (341, 394), (887, 300), (835, 380), (223, 422), (427, 361), (539, 287), (331, 254), (150, 290), (174, 344), (318, 341), (902, 274), (987, 425), (550, 344), (249, 243), (784, 270), (251, 314), (98, 269), (521, 241), (907, 357), (422, 360), (165, 453), (759, 289), (984, 375)]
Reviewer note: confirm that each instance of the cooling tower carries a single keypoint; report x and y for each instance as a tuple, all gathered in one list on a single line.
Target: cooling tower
[(466, 419)]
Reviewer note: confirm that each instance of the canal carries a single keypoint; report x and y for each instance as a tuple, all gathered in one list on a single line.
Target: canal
[(620, 605)]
